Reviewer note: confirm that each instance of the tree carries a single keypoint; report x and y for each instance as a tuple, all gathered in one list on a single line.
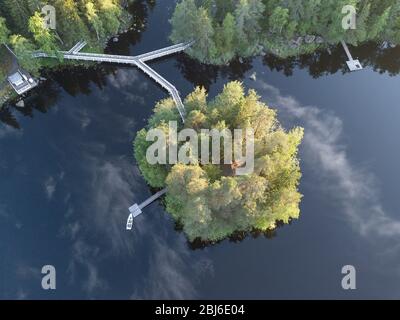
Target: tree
[(4, 32), (70, 25), (23, 49), (225, 39), (192, 23), (34, 5), (378, 26), (109, 11), (94, 19), (205, 32), (183, 21), (17, 15), (155, 175), (241, 16), (278, 19), (42, 35)]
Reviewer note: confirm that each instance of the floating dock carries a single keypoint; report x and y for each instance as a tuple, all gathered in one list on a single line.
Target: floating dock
[(136, 209), (354, 65)]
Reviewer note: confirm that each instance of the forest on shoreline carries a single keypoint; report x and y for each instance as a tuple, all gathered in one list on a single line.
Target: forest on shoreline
[(225, 30)]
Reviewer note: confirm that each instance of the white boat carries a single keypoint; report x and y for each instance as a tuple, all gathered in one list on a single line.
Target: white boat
[(129, 223)]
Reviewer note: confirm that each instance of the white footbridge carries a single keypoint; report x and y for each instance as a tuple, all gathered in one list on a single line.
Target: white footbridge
[(140, 62)]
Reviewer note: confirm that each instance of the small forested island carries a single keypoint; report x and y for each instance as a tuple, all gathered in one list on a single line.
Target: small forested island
[(210, 202), (225, 30)]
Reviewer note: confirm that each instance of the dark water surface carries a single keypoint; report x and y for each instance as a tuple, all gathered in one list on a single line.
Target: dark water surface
[(68, 176)]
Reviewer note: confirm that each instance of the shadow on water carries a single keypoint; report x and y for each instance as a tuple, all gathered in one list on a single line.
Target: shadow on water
[(8, 118), (139, 10), (80, 79), (236, 237), (200, 74)]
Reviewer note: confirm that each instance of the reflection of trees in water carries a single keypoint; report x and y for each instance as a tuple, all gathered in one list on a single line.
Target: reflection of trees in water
[(74, 81), (237, 237), (8, 118), (41, 99), (205, 75), (139, 10), (319, 64), (322, 63), (380, 59), (79, 80)]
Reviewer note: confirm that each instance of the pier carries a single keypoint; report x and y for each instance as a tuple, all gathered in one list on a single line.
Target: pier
[(136, 209), (354, 65)]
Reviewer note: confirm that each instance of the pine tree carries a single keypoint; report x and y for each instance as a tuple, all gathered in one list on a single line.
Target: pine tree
[(278, 20), (17, 15), (4, 32), (226, 40), (183, 21)]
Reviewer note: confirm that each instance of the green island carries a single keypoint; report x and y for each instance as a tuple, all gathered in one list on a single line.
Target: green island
[(225, 30), (209, 201), (22, 29)]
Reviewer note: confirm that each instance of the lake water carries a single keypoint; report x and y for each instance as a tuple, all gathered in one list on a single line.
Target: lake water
[(68, 176)]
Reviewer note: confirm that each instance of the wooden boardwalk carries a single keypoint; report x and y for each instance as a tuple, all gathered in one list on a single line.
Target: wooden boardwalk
[(138, 61)]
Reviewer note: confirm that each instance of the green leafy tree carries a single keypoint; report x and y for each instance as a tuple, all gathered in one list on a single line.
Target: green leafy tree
[(4, 32), (42, 35), (279, 19), (23, 49), (94, 19), (109, 11), (155, 175), (35, 5), (205, 32), (17, 14), (188, 20), (70, 25)]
